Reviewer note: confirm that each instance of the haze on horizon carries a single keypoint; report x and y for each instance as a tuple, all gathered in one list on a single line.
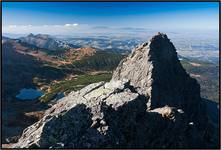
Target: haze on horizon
[(68, 18)]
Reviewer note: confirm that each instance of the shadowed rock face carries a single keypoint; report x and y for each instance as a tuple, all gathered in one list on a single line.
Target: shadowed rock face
[(151, 102)]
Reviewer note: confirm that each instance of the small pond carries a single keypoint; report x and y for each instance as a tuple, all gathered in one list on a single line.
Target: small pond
[(29, 94)]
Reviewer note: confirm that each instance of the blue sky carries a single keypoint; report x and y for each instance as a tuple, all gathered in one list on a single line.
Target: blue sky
[(71, 17)]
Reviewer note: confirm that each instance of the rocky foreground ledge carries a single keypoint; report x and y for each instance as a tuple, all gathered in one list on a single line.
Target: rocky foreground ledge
[(151, 102)]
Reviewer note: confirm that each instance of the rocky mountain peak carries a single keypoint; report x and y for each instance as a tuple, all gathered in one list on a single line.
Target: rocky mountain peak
[(154, 68), (30, 35), (43, 36), (161, 47), (151, 102)]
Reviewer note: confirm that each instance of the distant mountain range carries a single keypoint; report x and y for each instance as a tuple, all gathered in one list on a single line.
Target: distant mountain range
[(201, 46), (45, 41)]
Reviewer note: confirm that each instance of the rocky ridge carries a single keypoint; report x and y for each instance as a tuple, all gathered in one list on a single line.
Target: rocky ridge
[(151, 102)]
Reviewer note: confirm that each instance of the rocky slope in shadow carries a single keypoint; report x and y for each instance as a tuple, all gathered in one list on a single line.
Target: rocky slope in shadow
[(151, 102)]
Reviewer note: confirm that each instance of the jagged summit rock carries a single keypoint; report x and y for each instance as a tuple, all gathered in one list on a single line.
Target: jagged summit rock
[(154, 68), (151, 102)]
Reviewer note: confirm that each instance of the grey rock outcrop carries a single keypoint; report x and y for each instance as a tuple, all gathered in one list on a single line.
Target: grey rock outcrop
[(155, 69), (129, 111)]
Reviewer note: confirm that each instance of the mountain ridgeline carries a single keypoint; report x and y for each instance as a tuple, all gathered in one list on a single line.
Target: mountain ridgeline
[(150, 102), (45, 41)]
